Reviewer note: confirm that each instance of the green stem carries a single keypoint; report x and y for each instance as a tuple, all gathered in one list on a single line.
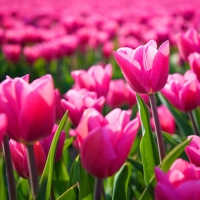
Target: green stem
[(195, 129), (9, 169), (32, 170), (160, 142), (98, 189)]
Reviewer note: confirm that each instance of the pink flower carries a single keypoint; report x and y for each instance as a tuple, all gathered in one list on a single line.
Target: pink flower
[(105, 142), (188, 43), (30, 108), (183, 91), (145, 68), (96, 79), (193, 150), (77, 101), (117, 93), (194, 60), (167, 121), (46, 143), (3, 126), (12, 52), (59, 109), (19, 158), (181, 182)]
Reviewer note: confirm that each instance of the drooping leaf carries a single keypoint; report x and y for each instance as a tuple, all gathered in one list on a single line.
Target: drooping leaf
[(181, 121), (136, 164), (148, 148), (121, 180), (48, 170)]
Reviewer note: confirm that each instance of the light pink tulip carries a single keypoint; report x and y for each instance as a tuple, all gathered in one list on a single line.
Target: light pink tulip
[(19, 158), (167, 121), (96, 78), (181, 182), (188, 43), (183, 91), (194, 60), (193, 150), (105, 142), (30, 108), (79, 100), (145, 68)]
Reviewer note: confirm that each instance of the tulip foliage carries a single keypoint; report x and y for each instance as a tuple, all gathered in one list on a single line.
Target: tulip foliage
[(97, 104)]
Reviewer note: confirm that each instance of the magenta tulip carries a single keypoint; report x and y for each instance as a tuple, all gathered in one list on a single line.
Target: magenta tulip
[(105, 142), (167, 121), (188, 43), (145, 68), (194, 60), (30, 108), (181, 182), (11, 52), (183, 91), (3, 126), (96, 79), (19, 158), (46, 143), (193, 150), (79, 100)]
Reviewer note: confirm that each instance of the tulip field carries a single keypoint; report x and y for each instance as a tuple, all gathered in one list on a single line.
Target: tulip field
[(99, 100)]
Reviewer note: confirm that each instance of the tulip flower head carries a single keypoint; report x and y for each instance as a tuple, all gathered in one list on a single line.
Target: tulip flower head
[(30, 108), (183, 91), (193, 150), (145, 68), (3, 126), (181, 182), (194, 60), (105, 142)]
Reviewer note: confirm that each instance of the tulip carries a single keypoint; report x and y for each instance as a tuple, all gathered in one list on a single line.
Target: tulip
[(183, 91), (193, 150), (19, 158), (101, 140), (188, 43), (30, 108), (117, 93), (181, 182), (11, 52), (194, 60), (167, 121), (46, 143), (96, 79), (77, 101), (3, 126), (59, 109), (145, 68)]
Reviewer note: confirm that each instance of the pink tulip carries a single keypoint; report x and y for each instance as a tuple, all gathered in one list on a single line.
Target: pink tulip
[(117, 93), (193, 150), (96, 79), (11, 52), (105, 142), (3, 126), (19, 158), (183, 91), (145, 68), (59, 109), (188, 43), (46, 143), (194, 60), (30, 108), (167, 121), (77, 101), (181, 182)]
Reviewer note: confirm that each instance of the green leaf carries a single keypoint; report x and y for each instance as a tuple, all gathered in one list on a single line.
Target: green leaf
[(86, 184), (164, 165), (181, 121), (148, 148), (71, 194), (48, 170), (3, 187), (136, 164), (169, 139), (68, 142), (121, 180)]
